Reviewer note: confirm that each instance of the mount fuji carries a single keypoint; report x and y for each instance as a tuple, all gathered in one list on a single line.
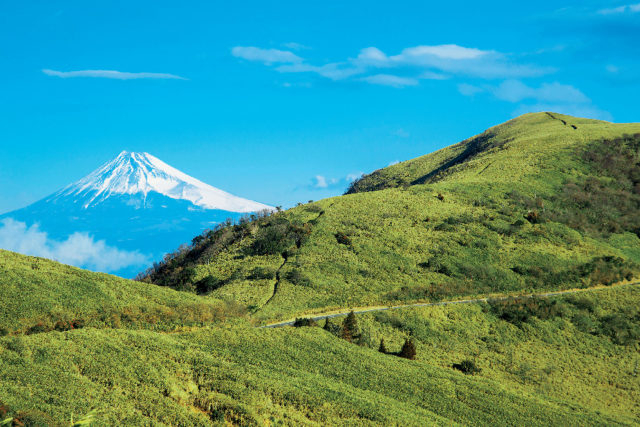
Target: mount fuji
[(135, 206)]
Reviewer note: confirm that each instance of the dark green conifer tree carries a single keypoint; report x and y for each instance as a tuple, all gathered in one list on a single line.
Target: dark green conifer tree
[(382, 348), (350, 327), (408, 350)]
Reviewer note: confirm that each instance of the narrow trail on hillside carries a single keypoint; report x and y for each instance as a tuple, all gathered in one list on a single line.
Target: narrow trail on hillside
[(285, 255), (433, 304), (564, 122), (277, 283)]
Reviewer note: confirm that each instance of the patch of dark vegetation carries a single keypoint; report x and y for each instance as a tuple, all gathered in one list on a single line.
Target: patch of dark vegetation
[(296, 277), (26, 418), (273, 233), (623, 328), (314, 208), (467, 367), (434, 292), (605, 270), (519, 310), (304, 322), (277, 236), (262, 273), (376, 180), (607, 201), (343, 239)]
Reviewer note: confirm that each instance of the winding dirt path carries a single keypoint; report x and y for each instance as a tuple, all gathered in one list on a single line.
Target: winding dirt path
[(333, 314)]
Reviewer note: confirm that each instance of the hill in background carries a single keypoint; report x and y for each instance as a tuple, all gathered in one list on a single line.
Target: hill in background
[(542, 202)]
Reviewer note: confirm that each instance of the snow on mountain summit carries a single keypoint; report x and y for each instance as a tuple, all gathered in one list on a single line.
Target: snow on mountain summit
[(140, 174)]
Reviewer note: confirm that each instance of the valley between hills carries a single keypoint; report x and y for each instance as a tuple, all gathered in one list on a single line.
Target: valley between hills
[(534, 223)]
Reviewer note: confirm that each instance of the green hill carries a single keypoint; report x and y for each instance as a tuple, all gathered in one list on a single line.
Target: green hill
[(39, 295), (542, 202)]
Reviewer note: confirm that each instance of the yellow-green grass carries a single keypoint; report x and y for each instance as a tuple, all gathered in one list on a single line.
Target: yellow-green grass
[(475, 232), (249, 376), (566, 356), (542, 372), (36, 294)]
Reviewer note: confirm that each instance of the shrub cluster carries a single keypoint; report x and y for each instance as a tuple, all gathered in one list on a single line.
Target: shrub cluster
[(468, 367), (606, 201)]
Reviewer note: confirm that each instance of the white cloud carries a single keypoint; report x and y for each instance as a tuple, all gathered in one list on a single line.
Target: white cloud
[(395, 162), (267, 56), (433, 62), (430, 75), (321, 182), (371, 54), (516, 91), (333, 71), (631, 8), (110, 74), (390, 80), (445, 51), (295, 46), (79, 249), (554, 96), (453, 59)]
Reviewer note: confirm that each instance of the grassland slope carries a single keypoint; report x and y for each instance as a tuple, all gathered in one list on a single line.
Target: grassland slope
[(39, 295), (542, 202)]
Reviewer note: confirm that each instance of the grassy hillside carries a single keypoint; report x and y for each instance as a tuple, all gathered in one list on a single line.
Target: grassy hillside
[(39, 295), (544, 201), (548, 370)]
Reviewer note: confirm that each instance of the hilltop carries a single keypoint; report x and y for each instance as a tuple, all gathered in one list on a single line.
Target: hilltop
[(542, 202)]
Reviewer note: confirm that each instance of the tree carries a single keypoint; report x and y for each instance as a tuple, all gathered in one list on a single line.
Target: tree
[(382, 348), (408, 350), (327, 325), (350, 327)]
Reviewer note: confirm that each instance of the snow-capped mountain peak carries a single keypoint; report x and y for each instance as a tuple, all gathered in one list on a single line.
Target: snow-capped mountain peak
[(140, 174)]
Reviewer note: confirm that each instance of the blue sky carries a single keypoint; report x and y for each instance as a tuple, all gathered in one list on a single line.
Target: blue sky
[(286, 101)]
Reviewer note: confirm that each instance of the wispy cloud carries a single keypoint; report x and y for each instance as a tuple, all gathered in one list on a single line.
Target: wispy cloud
[(79, 249), (110, 74), (322, 182), (390, 80), (627, 8), (266, 56), (295, 46), (555, 96), (516, 91), (433, 62)]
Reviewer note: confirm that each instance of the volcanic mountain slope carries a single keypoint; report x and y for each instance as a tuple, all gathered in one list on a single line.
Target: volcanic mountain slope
[(136, 203), (544, 201)]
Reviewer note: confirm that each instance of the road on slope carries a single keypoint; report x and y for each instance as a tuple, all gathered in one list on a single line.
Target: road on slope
[(432, 304)]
